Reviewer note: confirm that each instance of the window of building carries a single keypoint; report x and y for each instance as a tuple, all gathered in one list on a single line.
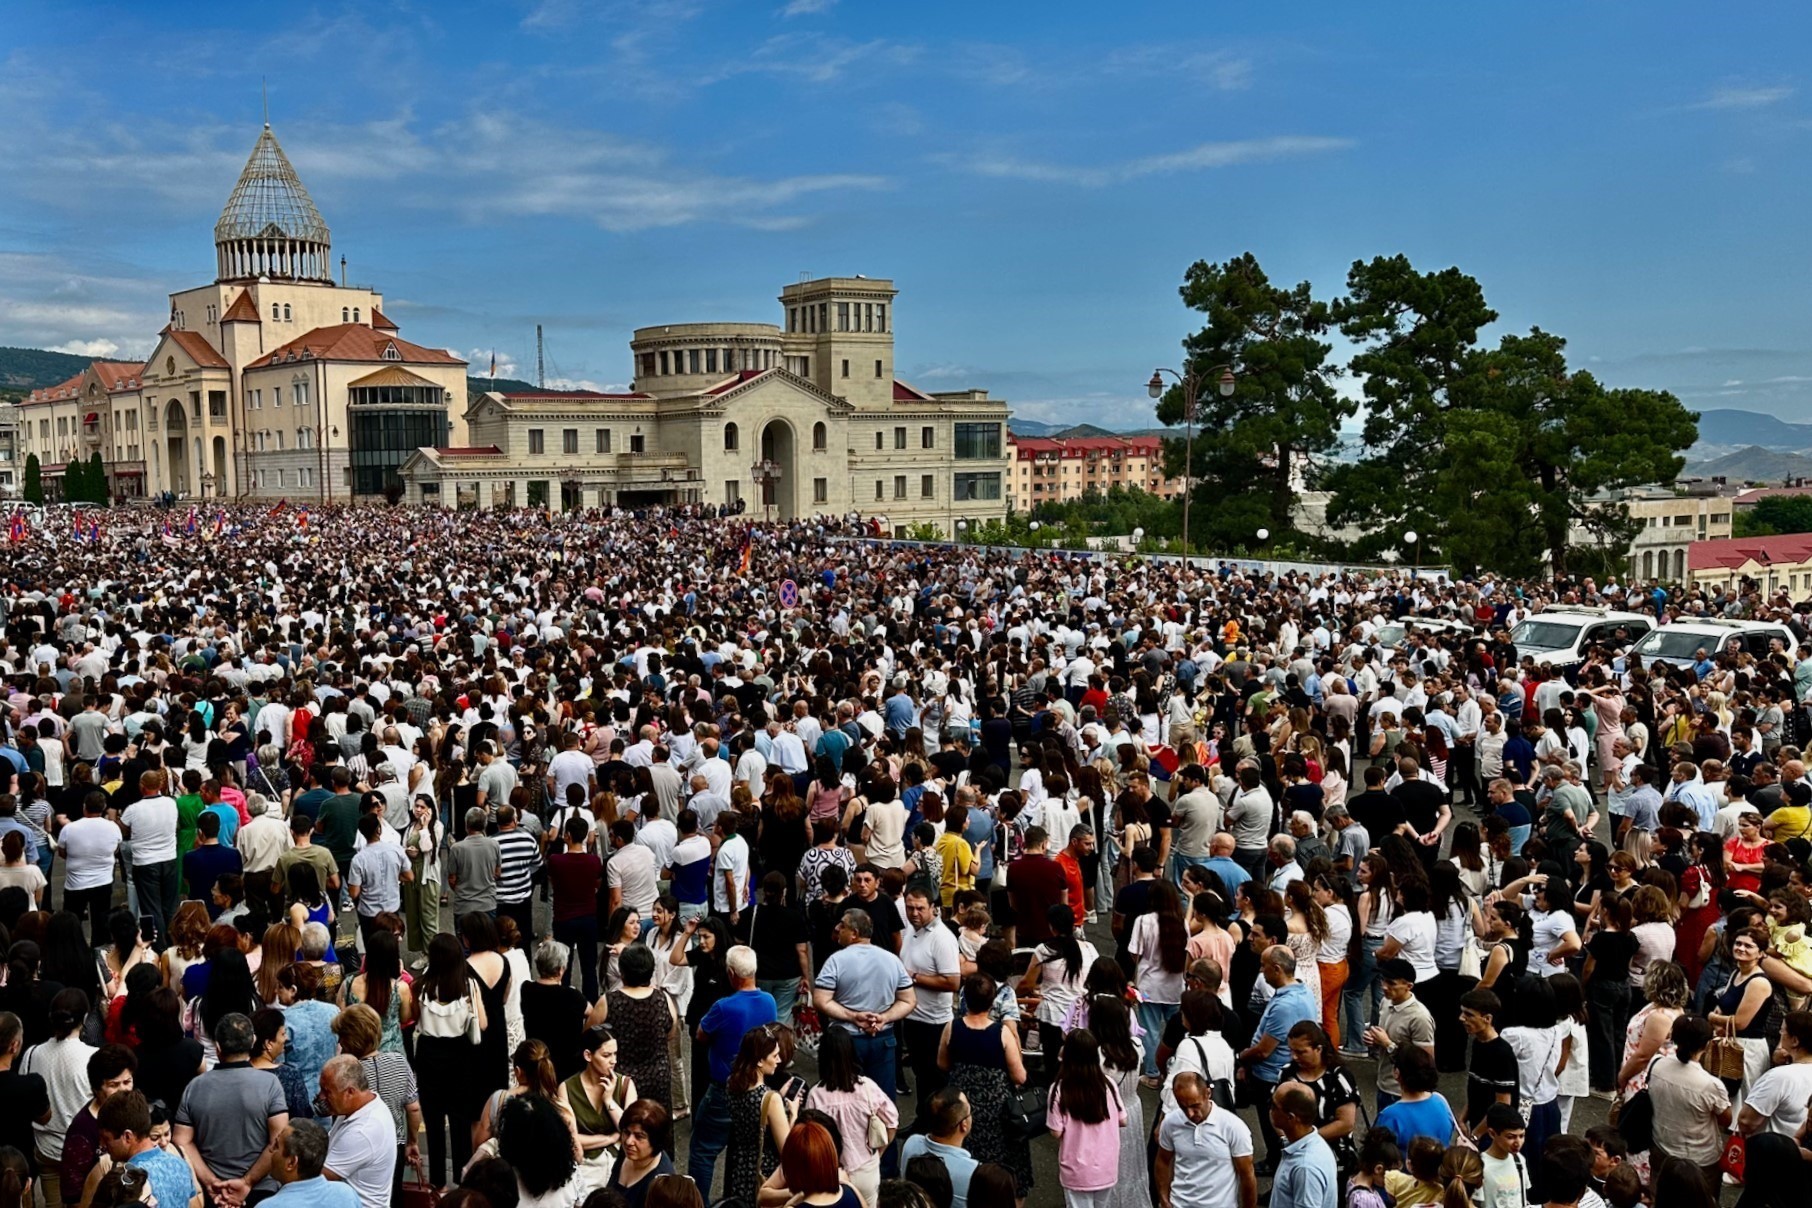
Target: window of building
[(286, 312), (355, 314), (730, 438), (927, 486), (711, 361), (820, 438), (880, 441), (275, 315), (899, 438), (824, 316), (792, 318), (691, 360), (899, 486), (843, 319), (845, 366), (971, 486), (638, 443), (302, 439), (868, 316), (537, 441), (880, 316), (382, 439), (602, 436), (732, 492), (301, 389), (345, 315), (977, 441), (820, 490), (663, 364), (569, 440), (878, 373), (279, 440), (880, 489), (927, 437)]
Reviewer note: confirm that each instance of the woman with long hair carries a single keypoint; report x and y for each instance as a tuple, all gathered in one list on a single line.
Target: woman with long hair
[(1457, 921), (706, 945), (1159, 941), (62, 1061), (126, 948), (188, 928), (491, 969), (422, 839), (167, 1060), (1330, 892), (1315, 1062), (380, 986), (851, 1098), (1110, 1022), (443, 1063), (536, 1141), (759, 1118), (1086, 1115), (1377, 906), (270, 1052), (1307, 934), (531, 1073), (1701, 883), (278, 951), (597, 1095), (1054, 978)]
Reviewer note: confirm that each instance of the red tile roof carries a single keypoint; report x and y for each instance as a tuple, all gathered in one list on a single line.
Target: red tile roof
[(902, 393), (1753, 494), (742, 376), (1025, 448), (50, 394), (119, 377), (242, 310), (381, 321), (1732, 552), (356, 342), (199, 350)]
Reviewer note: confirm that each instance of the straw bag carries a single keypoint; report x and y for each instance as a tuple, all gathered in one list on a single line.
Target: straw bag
[(1725, 1056)]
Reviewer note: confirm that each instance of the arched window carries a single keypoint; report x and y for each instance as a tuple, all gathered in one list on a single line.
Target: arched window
[(730, 443), (1648, 564), (345, 314), (1680, 565), (820, 438), (275, 313), (286, 312), (355, 314)]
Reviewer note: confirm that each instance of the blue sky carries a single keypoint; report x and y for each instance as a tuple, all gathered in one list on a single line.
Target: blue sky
[(1035, 177)]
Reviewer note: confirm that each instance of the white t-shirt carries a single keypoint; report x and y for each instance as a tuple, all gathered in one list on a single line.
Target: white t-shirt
[(89, 847), (632, 870), (932, 950), (1549, 929), (152, 822), (1780, 1096), (733, 857), (362, 1151), (1415, 934), (660, 837)]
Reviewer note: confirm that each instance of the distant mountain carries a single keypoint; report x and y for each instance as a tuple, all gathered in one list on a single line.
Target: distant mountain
[(1032, 427), (476, 386), (1753, 464), (1745, 428), (25, 369)]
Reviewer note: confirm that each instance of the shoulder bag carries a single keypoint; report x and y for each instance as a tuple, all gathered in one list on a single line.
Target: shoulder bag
[(1634, 1118), (1022, 1116)]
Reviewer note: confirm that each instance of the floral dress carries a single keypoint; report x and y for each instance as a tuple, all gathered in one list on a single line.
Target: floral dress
[(978, 1068), (752, 1158), (641, 1026), (1639, 1161)]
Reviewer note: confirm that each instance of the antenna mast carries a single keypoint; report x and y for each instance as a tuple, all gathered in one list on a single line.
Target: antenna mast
[(540, 361)]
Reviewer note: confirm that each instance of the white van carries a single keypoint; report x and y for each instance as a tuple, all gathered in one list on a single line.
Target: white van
[(1559, 635), (1676, 644)]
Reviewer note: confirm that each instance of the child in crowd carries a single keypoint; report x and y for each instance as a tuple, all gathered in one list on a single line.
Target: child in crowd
[(1506, 1179), (1378, 1156), (1421, 1183)]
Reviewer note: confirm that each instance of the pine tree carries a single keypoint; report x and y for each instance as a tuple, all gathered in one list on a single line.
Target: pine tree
[(34, 480), (97, 480)]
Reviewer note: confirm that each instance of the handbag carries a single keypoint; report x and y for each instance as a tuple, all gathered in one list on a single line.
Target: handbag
[(1472, 958), (1634, 1118), (1724, 1056), (877, 1133), (1022, 1116), (419, 1192), (1734, 1155)]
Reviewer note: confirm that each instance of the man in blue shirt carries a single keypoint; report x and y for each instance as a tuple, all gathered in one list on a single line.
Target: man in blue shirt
[(742, 1010), (125, 1128), (1262, 1064), (300, 1156), (1306, 1177)]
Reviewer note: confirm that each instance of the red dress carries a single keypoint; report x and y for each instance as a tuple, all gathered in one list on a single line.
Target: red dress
[(1745, 853), (1694, 922)]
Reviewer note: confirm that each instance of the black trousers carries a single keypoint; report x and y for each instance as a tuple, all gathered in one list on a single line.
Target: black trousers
[(96, 903), (922, 1040), (524, 914)]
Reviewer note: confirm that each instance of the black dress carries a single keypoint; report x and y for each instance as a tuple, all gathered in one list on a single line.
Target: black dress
[(641, 1026), (978, 1068), (490, 1069)]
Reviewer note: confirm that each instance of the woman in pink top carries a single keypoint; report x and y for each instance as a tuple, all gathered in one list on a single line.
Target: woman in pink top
[(1086, 1116)]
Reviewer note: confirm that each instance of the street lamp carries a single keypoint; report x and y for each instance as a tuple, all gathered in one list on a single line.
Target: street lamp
[(766, 473), (207, 482), (962, 530), (1415, 540), (1264, 535), (1191, 385), (1138, 535)]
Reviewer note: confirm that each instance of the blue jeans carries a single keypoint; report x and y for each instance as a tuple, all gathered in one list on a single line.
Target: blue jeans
[(786, 997), (1152, 1017), (878, 1058), (1359, 998), (710, 1135)]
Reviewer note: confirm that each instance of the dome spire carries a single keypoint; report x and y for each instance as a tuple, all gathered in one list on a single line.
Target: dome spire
[(270, 227)]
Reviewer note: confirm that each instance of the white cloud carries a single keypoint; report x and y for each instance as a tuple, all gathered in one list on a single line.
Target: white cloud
[(1744, 98), (811, 57), (478, 363), (1201, 157), (1221, 70), (99, 349), (807, 8)]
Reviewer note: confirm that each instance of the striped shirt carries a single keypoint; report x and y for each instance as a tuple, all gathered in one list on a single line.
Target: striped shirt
[(520, 856)]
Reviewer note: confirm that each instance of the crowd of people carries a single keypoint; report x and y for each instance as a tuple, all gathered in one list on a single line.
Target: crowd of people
[(547, 860)]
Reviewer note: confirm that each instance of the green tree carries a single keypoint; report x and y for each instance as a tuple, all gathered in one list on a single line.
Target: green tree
[(96, 479), (1285, 405), (1775, 514), (924, 530), (33, 488), (75, 481), (1493, 455)]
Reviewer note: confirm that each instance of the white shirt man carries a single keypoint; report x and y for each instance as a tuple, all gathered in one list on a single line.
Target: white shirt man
[(732, 867), (1204, 1153)]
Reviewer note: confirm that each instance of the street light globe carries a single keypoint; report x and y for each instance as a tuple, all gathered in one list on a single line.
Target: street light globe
[(1228, 383), (1155, 387), (1035, 526), (1410, 536), (962, 526), (1264, 534), (1138, 534)]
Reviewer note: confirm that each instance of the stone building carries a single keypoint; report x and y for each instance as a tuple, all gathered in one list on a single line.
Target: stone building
[(794, 419), (272, 380), (1056, 470)]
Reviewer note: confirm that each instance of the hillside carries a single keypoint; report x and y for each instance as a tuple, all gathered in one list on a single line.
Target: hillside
[(476, 386), (1752, 464), (25, 369)]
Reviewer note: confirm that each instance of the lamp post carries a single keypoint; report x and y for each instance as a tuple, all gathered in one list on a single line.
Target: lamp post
[(1191, 384), (766, 473), (1263, 536), (1415, 540), (207, 482), (1138, 536), (962, 531)]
